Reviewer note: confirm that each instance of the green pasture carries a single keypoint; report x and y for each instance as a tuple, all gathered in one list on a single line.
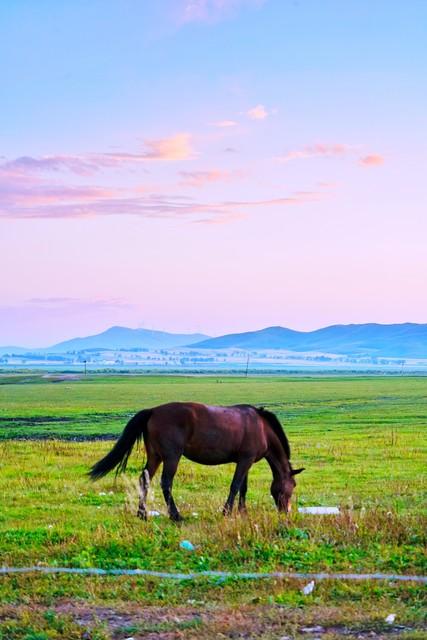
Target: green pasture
[(362, 441)]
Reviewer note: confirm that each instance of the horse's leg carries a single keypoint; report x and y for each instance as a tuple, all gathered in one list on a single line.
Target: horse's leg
[(145, 478), (242, 494), (240, 473), (170, 466)]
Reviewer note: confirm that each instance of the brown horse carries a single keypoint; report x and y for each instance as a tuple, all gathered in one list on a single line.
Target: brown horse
[(208, 435)]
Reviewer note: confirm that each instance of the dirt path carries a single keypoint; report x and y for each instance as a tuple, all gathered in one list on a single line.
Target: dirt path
[(132, 622)]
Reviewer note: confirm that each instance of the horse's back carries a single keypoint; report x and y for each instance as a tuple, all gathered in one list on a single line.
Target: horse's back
[(208, 434)]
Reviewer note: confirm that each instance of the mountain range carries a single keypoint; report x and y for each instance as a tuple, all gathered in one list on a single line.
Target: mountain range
[(393, 340), (385, 340)]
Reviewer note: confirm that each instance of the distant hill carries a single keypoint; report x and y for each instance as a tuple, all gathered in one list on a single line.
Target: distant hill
[(385, 340), (124, 338), (15, 350), (388, 340)]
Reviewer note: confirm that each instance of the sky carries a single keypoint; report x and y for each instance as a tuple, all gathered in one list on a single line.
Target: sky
[(211, 165)]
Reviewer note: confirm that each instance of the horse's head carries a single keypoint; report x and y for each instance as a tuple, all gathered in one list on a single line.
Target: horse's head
[(282, 489)]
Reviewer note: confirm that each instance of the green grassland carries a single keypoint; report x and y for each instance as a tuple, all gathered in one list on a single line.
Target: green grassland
[(361, 439)]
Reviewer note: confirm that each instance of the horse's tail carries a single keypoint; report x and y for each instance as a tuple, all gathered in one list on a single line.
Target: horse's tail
[(119, 454)]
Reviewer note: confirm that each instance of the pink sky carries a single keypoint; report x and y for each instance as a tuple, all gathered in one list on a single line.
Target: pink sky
[(217, 194)]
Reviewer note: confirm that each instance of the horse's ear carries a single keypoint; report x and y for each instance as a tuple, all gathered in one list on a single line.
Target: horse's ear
[(295, 472)]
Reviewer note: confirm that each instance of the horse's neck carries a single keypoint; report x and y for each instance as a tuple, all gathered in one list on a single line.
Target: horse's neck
[(277, 458)]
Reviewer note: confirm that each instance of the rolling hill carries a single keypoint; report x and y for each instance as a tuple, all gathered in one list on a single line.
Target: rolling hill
[(391, 340), (124, 338)]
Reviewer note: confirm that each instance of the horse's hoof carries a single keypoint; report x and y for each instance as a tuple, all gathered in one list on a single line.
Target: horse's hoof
[(142, 515), (176, 517), (226, 511)]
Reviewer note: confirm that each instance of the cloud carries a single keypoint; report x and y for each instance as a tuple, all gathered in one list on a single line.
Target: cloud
[(175, 148), (28, 164), (373, 160), (225, 218), (257, 113), (17, 192), (64, 303), (321, 150), (26, 193), (211, 10), (59, 202), (317, 151), (224, 124), (200, 178), (297, 197)]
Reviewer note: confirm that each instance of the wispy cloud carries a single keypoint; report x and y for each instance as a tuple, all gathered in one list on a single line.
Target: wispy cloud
[(174, 148), (21, 191), (297, 197), (211, 10), (58, 202), (200, 178), (321, 150), (225, 124), (373, 160), (258, 113), (27, 164), (317, 151), (64, 303)]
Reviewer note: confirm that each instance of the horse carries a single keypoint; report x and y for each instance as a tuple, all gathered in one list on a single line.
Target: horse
[(209, 435)]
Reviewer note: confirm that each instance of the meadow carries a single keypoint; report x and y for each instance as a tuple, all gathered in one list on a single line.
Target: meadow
[(361, 439)]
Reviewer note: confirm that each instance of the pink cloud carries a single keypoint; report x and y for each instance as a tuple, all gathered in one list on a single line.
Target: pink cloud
[(297, 197), (373, 160), (200, 178), (257, 113), (56, 202), (66, 303), (224, 124), (28, 164), (177, 147), (174, 148), (317, 151), (17, 190), (31, 196)]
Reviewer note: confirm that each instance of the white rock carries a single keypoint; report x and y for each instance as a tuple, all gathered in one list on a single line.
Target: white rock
[(320, 511), (390, 618), (154, 514), (309, 588)]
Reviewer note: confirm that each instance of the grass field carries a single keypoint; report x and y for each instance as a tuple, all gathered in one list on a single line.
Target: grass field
[(362, 441)]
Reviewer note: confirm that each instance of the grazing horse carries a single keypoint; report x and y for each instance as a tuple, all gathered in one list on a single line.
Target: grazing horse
[(208, 435)]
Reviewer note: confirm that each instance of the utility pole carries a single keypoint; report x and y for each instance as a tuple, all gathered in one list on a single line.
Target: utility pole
[(247, 367), (85, 361)]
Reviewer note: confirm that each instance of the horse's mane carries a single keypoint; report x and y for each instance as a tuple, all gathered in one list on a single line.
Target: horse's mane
[(274, 423)]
